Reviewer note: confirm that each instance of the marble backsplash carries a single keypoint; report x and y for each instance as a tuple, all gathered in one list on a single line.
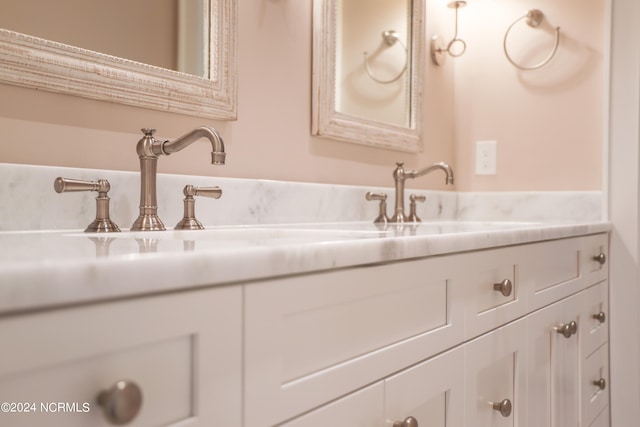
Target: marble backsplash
[(29, 202)]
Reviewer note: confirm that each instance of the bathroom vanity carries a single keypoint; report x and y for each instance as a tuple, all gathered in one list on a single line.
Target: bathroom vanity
[(443, 323)]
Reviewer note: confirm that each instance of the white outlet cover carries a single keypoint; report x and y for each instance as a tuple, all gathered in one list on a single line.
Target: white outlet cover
[(486, 153)]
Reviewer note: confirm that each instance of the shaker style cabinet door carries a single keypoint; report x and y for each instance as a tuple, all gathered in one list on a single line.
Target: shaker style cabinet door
[(554, 363), (495, 372), (432, 393)]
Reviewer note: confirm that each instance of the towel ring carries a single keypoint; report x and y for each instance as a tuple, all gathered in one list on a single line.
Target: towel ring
[(533, 18), (390, 38)]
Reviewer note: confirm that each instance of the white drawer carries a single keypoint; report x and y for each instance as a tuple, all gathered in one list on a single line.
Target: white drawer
[(311, 338), (594, 325), (559, 268), (182, 350), (595, 397), (486, 307), (551, 271)]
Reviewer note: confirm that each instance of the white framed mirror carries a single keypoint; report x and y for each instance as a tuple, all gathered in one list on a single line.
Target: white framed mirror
[(368, 62), (198, 79)]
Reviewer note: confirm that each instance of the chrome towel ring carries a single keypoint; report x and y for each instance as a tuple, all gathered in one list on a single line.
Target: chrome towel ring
[(533, 19), (390, 38)]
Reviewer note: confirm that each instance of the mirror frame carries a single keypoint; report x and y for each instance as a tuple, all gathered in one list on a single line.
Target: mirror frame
[(43, 64), (327, 122)]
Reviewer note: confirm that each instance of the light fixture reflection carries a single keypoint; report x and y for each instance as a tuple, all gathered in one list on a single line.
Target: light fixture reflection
[(455, 47)]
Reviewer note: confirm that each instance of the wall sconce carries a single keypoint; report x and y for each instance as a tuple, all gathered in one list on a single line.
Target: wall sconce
[(455, 47)]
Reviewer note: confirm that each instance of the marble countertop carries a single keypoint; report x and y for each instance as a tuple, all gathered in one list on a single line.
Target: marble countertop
[(41, 269)]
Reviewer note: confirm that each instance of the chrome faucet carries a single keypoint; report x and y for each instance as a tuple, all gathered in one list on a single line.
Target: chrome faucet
[(149, 149), (400, 175)]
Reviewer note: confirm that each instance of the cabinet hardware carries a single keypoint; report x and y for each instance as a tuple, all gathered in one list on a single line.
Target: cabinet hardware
[(505, 287), (601, 317), (503, 407), (408, 422), (567, 329), (121, 402), (601, 258), (601, 383)]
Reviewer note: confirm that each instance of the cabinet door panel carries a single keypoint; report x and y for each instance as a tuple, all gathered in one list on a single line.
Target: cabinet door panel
[(495, 366), (554, 361), (431, 392), (183, 350), (595, 326), (595, 396)]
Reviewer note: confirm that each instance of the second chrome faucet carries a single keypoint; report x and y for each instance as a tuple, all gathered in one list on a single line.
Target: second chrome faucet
[(149, 149)]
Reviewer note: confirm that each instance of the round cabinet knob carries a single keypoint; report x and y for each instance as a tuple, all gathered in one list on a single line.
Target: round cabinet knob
[(408, 422), (505, 407), (601, 258), (600, 317), (121, 403), (601, 383), (568, 329), (505, 287)]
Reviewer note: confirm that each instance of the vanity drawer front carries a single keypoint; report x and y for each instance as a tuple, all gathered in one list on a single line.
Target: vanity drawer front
[(492, 289), (595, 384), (595, 258), (188, 369), (556, 269), (594, 325), (311, 338)]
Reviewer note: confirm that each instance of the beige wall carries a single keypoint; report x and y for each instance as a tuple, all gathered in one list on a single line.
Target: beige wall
[(271, 138), (548, 123)]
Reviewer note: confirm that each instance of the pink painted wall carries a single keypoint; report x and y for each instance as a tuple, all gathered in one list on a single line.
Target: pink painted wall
[(548, 123), (271, 139)]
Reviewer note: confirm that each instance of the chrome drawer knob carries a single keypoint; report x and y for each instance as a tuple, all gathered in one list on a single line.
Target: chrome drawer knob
[(601, 258), (601, 383), (121, 403), (408, 422), (600, 317), (567, 329), (505, 407), (505, 287)]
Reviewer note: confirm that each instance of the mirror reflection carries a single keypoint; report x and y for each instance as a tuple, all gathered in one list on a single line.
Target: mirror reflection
[(368, 63), (171, 34), (373, 59)]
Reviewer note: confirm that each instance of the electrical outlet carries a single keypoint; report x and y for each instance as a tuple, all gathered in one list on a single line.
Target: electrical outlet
[(486, 157)]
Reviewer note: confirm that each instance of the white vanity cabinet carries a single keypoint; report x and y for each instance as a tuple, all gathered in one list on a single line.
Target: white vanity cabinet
[(482, 338), (182, 351)]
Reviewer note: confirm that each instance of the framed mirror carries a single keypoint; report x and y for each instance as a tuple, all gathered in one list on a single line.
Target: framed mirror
[(189, 67), (368, 61)]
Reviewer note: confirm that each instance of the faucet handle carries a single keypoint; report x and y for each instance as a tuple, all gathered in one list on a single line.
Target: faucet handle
[(189, 221), (102, 223), (413, 198), (382, 214)]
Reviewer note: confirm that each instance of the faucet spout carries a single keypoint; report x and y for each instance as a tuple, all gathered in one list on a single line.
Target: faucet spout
[(217, 145), (440, 165), (400, 176), (149, 149)]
